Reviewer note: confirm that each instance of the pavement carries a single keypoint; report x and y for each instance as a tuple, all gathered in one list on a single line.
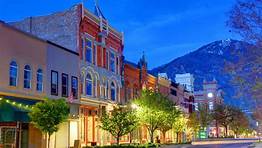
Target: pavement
[(256, 145), (237, 143)]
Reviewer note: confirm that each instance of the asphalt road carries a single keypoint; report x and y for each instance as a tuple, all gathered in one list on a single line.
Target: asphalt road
[(233, 145)]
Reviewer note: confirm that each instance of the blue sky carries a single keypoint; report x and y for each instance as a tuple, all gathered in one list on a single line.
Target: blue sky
[(164, 29)]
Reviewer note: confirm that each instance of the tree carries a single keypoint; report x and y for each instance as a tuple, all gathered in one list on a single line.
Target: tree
[(151, 111), (239, 121), (193, 123), (47, 115), (246, 19), (223, 115), (120, 122), (179, 126), (204, 115), (169, 119)]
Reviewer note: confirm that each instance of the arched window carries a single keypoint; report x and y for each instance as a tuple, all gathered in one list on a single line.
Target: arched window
[(88, 85), (113, 92), (39, 80), (13, 74), (27, 77)]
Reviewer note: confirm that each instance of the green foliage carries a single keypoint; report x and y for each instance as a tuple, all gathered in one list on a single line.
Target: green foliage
[(119, 123), (193, 122), (47, 115), (239, 122), (152, 110), (204, 115)]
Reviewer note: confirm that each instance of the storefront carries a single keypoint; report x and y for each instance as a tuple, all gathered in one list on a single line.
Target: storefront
[(15, 129)]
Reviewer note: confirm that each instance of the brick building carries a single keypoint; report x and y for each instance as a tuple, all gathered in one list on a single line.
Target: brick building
[(100, 49)]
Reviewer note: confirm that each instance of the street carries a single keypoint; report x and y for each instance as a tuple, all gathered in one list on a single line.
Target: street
[(233, 145), (237, 143)]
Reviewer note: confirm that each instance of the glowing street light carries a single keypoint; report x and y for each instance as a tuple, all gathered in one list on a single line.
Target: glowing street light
[(210, 95), (134, 106)]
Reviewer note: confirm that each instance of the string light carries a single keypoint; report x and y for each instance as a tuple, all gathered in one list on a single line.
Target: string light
[(18, 105)]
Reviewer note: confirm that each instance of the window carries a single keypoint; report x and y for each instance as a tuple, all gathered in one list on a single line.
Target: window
[(88, 51), (74, 87), (39, 80), (13, 74), (64, 85), (94, 59), (113, 91), (54, 83), (196, 106), (107, 57), (88, 85), (173, 92), (112, 62), (27, 77), (211, 105)]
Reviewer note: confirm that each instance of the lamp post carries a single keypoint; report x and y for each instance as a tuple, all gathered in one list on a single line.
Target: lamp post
[(258, 131)]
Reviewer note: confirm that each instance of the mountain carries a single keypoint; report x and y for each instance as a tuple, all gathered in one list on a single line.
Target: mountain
[(208, 62)]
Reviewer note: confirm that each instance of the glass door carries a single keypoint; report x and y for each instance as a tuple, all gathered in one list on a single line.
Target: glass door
[(7, 137)]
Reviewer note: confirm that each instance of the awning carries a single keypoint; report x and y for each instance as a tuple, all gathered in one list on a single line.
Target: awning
[(12, 113)]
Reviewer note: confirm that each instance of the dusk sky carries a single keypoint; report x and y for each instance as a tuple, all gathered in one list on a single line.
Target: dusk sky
[(164, 29)]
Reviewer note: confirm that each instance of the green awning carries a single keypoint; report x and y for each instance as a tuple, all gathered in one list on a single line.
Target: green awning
[(12, 113)]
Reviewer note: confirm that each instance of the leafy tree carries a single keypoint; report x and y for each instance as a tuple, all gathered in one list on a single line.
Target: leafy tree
[(151, 111), (239, 121), (223, 115), (47, 115), (245, 19), (193, 123), (204, 115), (179, 126), (120, 122), (169, 119)]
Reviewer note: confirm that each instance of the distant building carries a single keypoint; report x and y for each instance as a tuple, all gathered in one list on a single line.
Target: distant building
[(208, 98), (187, 80), (210, 95)]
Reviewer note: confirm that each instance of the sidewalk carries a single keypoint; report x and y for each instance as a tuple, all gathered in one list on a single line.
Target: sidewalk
[(176, 146), (256, 145)]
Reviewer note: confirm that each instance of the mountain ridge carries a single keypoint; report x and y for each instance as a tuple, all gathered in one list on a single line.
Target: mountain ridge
[(208, 62)]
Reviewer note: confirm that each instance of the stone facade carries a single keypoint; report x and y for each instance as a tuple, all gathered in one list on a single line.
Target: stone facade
[(61, 28)]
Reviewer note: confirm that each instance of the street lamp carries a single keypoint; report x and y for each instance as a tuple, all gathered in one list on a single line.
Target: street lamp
[(258, 131), (210, 95), (134, 106)]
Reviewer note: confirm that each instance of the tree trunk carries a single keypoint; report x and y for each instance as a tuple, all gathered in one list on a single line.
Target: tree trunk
[(217, 129), (48, 145), (117, 140), (130, 137), (226, 130), (164, 137), (151, 136), (177, 137)]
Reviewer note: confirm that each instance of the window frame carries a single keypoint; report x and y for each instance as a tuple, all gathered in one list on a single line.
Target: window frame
[(88, 48), (10, 76), (62, 85), (76, 89), (113, 88), (39, 82), (112, 61), (30, 77), (54, 93), (91, 82)]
